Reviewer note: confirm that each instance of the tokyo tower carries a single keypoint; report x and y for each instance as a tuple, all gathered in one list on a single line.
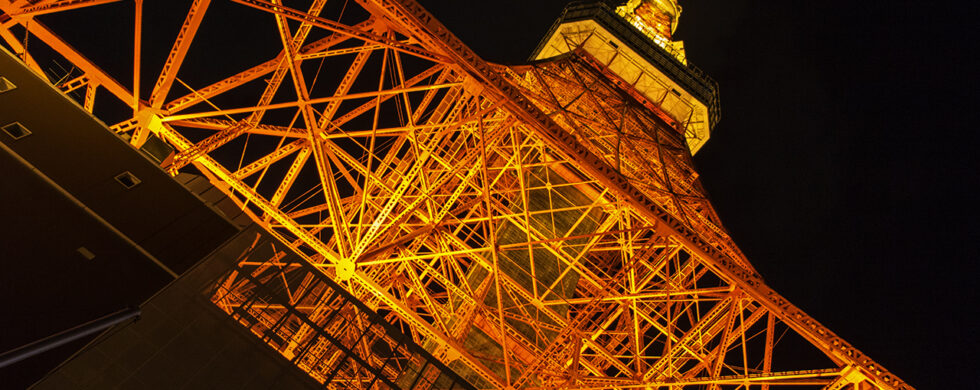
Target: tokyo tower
[(539, 225)]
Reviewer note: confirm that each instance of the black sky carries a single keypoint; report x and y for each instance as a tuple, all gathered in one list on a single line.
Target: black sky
[(844, 164)]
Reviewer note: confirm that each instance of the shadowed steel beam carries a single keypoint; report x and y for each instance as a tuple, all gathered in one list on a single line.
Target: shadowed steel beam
[(67, 336)]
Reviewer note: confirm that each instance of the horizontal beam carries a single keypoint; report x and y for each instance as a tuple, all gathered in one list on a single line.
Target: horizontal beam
[(241, 110)]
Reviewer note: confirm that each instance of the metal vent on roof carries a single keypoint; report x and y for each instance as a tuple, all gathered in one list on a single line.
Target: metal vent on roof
[(6, 85), (16, 130), (127, 180)]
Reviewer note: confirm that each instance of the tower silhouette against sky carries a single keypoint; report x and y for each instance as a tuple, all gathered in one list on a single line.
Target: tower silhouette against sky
[(523, 226)]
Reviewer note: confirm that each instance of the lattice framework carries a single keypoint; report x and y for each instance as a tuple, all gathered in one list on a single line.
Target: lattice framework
[(532, 226)]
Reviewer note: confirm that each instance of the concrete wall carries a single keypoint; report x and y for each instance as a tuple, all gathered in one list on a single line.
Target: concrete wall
[(182, 341)]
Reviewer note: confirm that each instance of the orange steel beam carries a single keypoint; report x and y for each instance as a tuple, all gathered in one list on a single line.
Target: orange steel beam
[(18, 46), (58, 6), (293, 132), (291, 175), (137, 48), (51, 39), (232, 111), (255, 72), (269, 159), (646, 296), (770, 344), (336, 27), (282, 152), (177, 53), (485, 177), (89, 102), (785, 378), (289, 63), (73, 84)]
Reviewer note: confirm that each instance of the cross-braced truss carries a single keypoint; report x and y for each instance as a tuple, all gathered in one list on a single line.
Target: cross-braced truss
[(531, 226)]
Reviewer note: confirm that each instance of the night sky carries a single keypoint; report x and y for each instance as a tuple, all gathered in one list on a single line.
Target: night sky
[(844, 163)]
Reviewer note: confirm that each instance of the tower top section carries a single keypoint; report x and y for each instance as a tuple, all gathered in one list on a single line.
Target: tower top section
[(631, 42), (656, 16)]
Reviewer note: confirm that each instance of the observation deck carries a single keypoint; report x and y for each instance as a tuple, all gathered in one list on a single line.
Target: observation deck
[(656, 68)]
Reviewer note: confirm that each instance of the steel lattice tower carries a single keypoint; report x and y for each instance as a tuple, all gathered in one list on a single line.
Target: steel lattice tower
[(531, 226)]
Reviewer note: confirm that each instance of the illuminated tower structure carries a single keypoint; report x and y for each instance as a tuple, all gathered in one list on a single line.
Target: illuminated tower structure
[(538, 225)]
